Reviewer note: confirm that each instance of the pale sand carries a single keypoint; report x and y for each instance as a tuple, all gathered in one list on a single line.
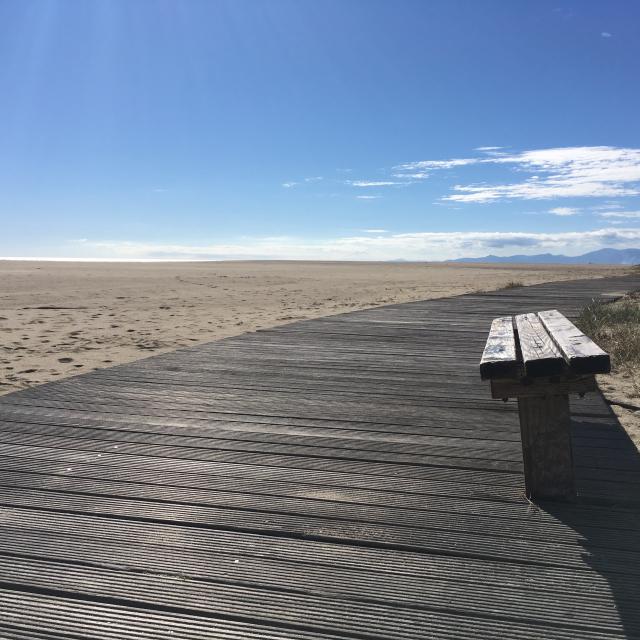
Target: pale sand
[(59, 319)]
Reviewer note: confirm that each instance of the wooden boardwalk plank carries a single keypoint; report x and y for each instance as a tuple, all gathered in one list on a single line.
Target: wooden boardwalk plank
[(345, 477)]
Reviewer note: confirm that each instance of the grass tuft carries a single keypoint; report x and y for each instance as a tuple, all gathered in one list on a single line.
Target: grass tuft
[(513, 284)]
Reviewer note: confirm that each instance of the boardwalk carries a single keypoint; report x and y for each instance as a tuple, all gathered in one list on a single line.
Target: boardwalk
[(346, 477)]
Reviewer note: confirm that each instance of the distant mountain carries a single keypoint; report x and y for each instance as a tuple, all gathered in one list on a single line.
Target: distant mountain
[(602, 256)]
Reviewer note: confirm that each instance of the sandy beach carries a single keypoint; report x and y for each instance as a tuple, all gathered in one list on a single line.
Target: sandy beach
[(59, 319)]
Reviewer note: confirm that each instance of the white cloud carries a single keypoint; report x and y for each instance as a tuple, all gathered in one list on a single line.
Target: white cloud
[(564, 211), (605, 34), (367, 197), (607, 206), (374, 231), (292, 183), (435, 164), (419, 175), (619, 214), (559, 173), (411, 246), (372, 183)]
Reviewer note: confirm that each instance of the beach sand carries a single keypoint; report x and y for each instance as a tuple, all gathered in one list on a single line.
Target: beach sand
[(59, 319)]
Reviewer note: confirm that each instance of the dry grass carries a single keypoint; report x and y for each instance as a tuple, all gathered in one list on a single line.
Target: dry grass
[(616, 328), (513, 284)]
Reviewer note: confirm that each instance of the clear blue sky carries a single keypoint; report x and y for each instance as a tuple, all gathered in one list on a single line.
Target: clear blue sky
[(325, 128)]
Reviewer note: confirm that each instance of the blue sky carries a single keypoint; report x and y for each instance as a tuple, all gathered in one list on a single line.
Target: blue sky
[(337, 129)]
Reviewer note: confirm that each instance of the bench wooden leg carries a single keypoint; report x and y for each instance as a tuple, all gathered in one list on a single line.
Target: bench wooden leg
[(545, 425)]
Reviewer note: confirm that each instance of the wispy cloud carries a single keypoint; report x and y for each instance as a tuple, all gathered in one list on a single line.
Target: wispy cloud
[(557, 173), (564, 211), (619, 214), (368, 197), (543, 174), (437, 164), (293, 183), (411, 177), (606, 34), (374, 244), (374, 231), (372, 183), (607, 206)]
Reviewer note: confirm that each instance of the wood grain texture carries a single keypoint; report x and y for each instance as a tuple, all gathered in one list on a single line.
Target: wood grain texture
[(500, 358), (537, 387), (580, 352), (540, 355), (545, 424)]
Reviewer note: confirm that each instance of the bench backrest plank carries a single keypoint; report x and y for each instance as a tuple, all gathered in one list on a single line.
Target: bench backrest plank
[(500, 356), (580, 352), (540, 355)]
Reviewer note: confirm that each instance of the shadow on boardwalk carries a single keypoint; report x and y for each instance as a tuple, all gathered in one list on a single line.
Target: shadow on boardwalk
[(606, 536)]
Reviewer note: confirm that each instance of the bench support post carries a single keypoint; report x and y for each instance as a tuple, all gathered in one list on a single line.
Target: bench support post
[(545, 425)]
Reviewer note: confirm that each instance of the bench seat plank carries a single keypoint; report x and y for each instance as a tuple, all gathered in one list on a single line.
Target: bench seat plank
[(580, 352), (500, 357), (540, 355)]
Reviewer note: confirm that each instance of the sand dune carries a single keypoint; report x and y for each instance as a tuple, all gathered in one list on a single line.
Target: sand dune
[(59, 319)]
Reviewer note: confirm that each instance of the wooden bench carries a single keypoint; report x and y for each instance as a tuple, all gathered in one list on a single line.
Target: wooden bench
[(540, 358)]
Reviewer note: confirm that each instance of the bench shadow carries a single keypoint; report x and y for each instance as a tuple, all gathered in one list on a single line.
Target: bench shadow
[(606, 513)]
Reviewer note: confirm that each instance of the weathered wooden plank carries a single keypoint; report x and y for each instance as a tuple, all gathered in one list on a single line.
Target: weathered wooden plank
[(32, 616), (545, 423), (500, 359), (540, 355), (536, 387), (432, 589), (491, 543), (442, 516), (580, 352), (287, 458), (440, 482), (165, 543), (324, 611), (258, 441)]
